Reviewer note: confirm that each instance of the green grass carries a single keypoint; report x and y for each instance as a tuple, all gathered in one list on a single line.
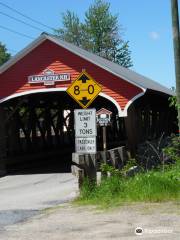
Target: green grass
[(153, 186)]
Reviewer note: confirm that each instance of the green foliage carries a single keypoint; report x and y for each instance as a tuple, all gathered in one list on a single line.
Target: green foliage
[(173, 150), (98, 34), (72, 30), (130, 163), (102, 194), (151, 154), (153, 186), (105, 168), (101, 29), (173, 102), (4, 55), (122, 55)]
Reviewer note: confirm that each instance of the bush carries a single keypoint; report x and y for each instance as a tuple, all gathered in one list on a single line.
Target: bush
[(150, 154), (173, 150)]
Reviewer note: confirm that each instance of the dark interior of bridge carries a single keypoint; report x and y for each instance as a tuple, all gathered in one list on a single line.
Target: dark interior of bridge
[(40, 132)]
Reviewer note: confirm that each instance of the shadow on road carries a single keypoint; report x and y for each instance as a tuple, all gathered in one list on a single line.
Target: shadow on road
[(55, 164)]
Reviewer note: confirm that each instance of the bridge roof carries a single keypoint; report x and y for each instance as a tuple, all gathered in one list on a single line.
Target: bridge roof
[(127, 74)]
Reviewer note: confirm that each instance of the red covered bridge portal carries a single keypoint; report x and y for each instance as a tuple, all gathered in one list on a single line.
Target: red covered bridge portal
[(37, 78)]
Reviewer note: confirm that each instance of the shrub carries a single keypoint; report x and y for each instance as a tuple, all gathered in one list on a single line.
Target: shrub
[(173, 150)]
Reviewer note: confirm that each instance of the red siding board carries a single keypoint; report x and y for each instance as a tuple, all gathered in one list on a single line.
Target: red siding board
[(50, 55)]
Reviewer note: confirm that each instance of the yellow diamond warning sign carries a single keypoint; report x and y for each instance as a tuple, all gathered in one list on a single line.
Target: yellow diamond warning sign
[(84, 89)]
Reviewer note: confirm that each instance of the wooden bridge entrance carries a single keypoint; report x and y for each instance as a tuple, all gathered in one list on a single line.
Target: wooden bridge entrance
[(39, 130), (36, 113)]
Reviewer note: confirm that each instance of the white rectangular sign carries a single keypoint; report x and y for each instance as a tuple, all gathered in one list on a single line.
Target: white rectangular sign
[(85, 122), (86, 145), (49, 77), (103, 121)]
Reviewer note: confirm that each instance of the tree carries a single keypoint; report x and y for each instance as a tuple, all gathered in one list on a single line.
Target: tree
[(122, 55), (4, 55), (100, 33), (101, 28), (72, 28)]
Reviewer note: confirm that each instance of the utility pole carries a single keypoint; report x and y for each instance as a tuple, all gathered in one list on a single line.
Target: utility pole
[(176, 41)]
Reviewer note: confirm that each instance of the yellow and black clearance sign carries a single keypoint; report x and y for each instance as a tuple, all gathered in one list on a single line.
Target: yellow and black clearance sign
[(84, 89)]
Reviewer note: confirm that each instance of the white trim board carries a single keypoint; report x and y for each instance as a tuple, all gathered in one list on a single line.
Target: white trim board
[(61, 89), (121, 113), (131, 101)]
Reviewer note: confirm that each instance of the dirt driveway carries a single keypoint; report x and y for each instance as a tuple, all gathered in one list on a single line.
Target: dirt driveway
[(68, 222)]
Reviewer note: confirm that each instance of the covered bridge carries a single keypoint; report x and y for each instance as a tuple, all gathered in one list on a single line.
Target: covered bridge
[(37, 116)]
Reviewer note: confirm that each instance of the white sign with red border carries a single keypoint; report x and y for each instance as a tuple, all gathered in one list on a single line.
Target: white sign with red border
[(103, 117)]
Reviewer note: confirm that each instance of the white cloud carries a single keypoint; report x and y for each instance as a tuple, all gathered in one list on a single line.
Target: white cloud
[(154, 35)]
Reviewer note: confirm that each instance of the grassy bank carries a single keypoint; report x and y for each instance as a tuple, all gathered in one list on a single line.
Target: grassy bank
[(152, 186)]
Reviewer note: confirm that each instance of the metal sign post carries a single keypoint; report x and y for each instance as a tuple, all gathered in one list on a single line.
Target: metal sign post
[(103, 117), (104, 149), (104, 138)]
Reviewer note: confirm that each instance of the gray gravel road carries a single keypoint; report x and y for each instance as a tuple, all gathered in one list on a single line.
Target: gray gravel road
[(36, 207), (67, 222), (23, 196)]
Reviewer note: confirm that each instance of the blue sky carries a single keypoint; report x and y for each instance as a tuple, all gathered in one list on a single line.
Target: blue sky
[(147, 26)]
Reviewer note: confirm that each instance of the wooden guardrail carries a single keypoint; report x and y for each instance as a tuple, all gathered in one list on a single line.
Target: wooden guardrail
[(87, 165)]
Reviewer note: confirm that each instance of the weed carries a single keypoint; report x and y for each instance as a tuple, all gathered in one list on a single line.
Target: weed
[(152, 186)]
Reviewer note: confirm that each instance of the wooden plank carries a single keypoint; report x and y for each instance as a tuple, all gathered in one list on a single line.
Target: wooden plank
[(90, 167), (123, 155), (3, 142), (132, 129), (13, 135), (75, 170), (33, 127), (78, 159), (87, 162), (115, 158), (48, 124)]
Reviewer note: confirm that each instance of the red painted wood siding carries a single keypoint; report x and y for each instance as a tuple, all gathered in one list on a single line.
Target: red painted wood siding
[(50, 55)]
